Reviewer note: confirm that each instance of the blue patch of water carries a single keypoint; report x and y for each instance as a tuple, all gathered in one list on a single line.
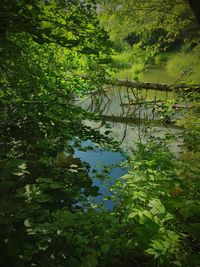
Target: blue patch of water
[(99, 159)]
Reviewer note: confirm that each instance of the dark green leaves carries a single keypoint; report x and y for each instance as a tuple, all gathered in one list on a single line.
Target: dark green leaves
[(45, 45)]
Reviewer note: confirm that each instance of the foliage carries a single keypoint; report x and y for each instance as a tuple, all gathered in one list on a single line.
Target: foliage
[(162, 58), (158, 206), (158, 26), (122, 60), (44, 46), (191, 124), (137, 69), (185, 66), (153, 32)]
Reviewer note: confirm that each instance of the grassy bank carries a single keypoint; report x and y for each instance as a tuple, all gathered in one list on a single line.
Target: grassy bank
[(175, 67)]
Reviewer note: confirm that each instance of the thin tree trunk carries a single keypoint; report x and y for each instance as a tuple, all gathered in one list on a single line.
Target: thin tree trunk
[(195, 6)]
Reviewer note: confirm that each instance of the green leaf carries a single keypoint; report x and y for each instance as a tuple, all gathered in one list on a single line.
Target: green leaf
[(105, 248), (150, 251), (89, 261), (194, 230), (190, 208), (65, 218), (157, 207), (27, 223), (43, 246)]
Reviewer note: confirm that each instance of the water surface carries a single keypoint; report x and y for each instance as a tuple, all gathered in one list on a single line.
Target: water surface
[(127, 124), (99, 159)]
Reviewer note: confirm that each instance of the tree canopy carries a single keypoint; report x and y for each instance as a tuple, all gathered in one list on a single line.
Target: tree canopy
[(151, 26), (45, 45)]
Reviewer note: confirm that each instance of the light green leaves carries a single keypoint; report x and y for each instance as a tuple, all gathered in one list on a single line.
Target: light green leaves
[(140, 215), (156, 207), (165, 247), (27, 223)]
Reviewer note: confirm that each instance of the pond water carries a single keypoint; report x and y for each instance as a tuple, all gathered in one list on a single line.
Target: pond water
[(125, 124), (122, 102), (157, 74), (100, 159)]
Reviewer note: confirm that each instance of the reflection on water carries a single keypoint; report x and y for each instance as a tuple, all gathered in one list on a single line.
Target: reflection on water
[(99, 159), (128, 117), (122, 102), (157, 74), (128, 134)]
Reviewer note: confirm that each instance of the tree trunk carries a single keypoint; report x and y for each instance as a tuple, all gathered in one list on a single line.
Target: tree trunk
[(195, 6)]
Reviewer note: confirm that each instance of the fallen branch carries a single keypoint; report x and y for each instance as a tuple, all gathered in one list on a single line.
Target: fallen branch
[(152, 86)]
